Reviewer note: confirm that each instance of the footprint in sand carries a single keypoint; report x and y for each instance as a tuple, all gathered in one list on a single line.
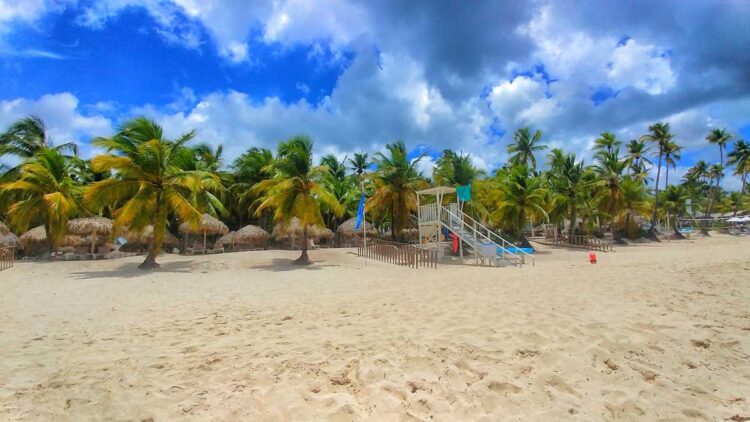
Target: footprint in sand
[(503, 388)]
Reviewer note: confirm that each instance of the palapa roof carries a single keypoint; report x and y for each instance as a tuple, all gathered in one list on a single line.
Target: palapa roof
[(144, 236), (294, 228), (90, 225), (250, 233), (6, 237), (347, 228), (209, 225), (38, 235)]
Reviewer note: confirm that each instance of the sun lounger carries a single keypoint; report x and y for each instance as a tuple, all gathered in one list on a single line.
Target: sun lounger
[(218, 247)]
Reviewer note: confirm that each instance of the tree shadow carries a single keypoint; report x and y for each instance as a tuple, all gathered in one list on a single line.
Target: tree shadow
[(285, 264), (131, 270)]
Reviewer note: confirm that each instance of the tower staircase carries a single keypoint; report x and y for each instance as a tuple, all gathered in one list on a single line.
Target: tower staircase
[(485, 244)]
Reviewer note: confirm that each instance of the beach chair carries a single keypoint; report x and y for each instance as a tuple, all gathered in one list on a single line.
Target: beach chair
[(487, 253), (218, 247), (197, 249)]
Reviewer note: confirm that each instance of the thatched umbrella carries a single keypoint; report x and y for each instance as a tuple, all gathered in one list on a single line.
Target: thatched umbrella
[(6, 237), (294, 229), (141, 240), (248, 235), (36, 237), (146, 235), (347, 232), (90, 226), (208, 225)]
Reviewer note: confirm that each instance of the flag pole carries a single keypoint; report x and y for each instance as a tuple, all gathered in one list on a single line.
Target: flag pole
[(364, 221)]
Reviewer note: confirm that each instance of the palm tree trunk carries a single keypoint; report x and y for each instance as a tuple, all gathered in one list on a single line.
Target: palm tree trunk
[(303, 259), (571, 227), (652, 230), (742, 193), (51, 241), (160, 227)]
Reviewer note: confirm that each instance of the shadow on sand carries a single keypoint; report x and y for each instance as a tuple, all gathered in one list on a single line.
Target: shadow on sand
[(131, 270), (284, 264)]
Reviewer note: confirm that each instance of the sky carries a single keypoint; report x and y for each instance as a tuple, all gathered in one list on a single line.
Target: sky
[(356, 75)]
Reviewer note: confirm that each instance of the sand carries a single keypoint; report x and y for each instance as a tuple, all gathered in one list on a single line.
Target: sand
[(651, 332)]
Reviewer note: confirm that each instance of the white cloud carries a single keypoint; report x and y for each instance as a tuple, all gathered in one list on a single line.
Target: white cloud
[(61, 114), (641, 66)]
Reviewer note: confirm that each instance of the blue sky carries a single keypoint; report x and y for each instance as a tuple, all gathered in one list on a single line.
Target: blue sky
[(357, 75)]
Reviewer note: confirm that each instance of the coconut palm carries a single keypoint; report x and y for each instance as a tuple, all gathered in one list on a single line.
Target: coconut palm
[(610, 171), (524, 146), (396, 183), (24, 138), (249, 169), (637, 158), (148, 183), (209, 159), (672, 154), (295, 189), (359, 163), (719, 137), (569, 183), (46, 193), (453, 169), (341, 186), (606, 142), (715, 172), (634, 202), (520, 196), (740, 159), (660, 135)]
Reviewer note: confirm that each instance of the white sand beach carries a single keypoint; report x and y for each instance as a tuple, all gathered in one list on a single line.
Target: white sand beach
[(651, 332)]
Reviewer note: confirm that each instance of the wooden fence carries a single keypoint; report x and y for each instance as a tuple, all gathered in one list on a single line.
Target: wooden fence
[(7, 257), (402, 254), (551, 236)]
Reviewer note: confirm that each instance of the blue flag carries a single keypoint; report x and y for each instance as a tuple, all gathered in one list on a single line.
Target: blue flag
[(360, 212)]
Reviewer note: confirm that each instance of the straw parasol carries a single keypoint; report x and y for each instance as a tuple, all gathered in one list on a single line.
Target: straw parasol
[(36, 238), (146, 235), (348, 234), (248, 235), (327, 234), (6, 237), (90, 226), (294, 229), (208, 225)]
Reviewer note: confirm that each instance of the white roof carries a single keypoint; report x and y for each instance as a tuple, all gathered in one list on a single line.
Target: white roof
[(439, 190)]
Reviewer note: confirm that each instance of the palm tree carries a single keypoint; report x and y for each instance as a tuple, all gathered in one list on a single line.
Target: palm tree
[(27, 136), (148, 183), (637, 158), (524, 146), (719, 137), (249, 168), (660, 135), (521, 195), (396, 183), (609, 170), (209, 159), (674, 198), (569, 182), (359, 163), (740, 159), (635, 201), (455, 169), (341, 186), (47, 194), (606, 142), (295, 189), (672, 154), (715, 172)]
